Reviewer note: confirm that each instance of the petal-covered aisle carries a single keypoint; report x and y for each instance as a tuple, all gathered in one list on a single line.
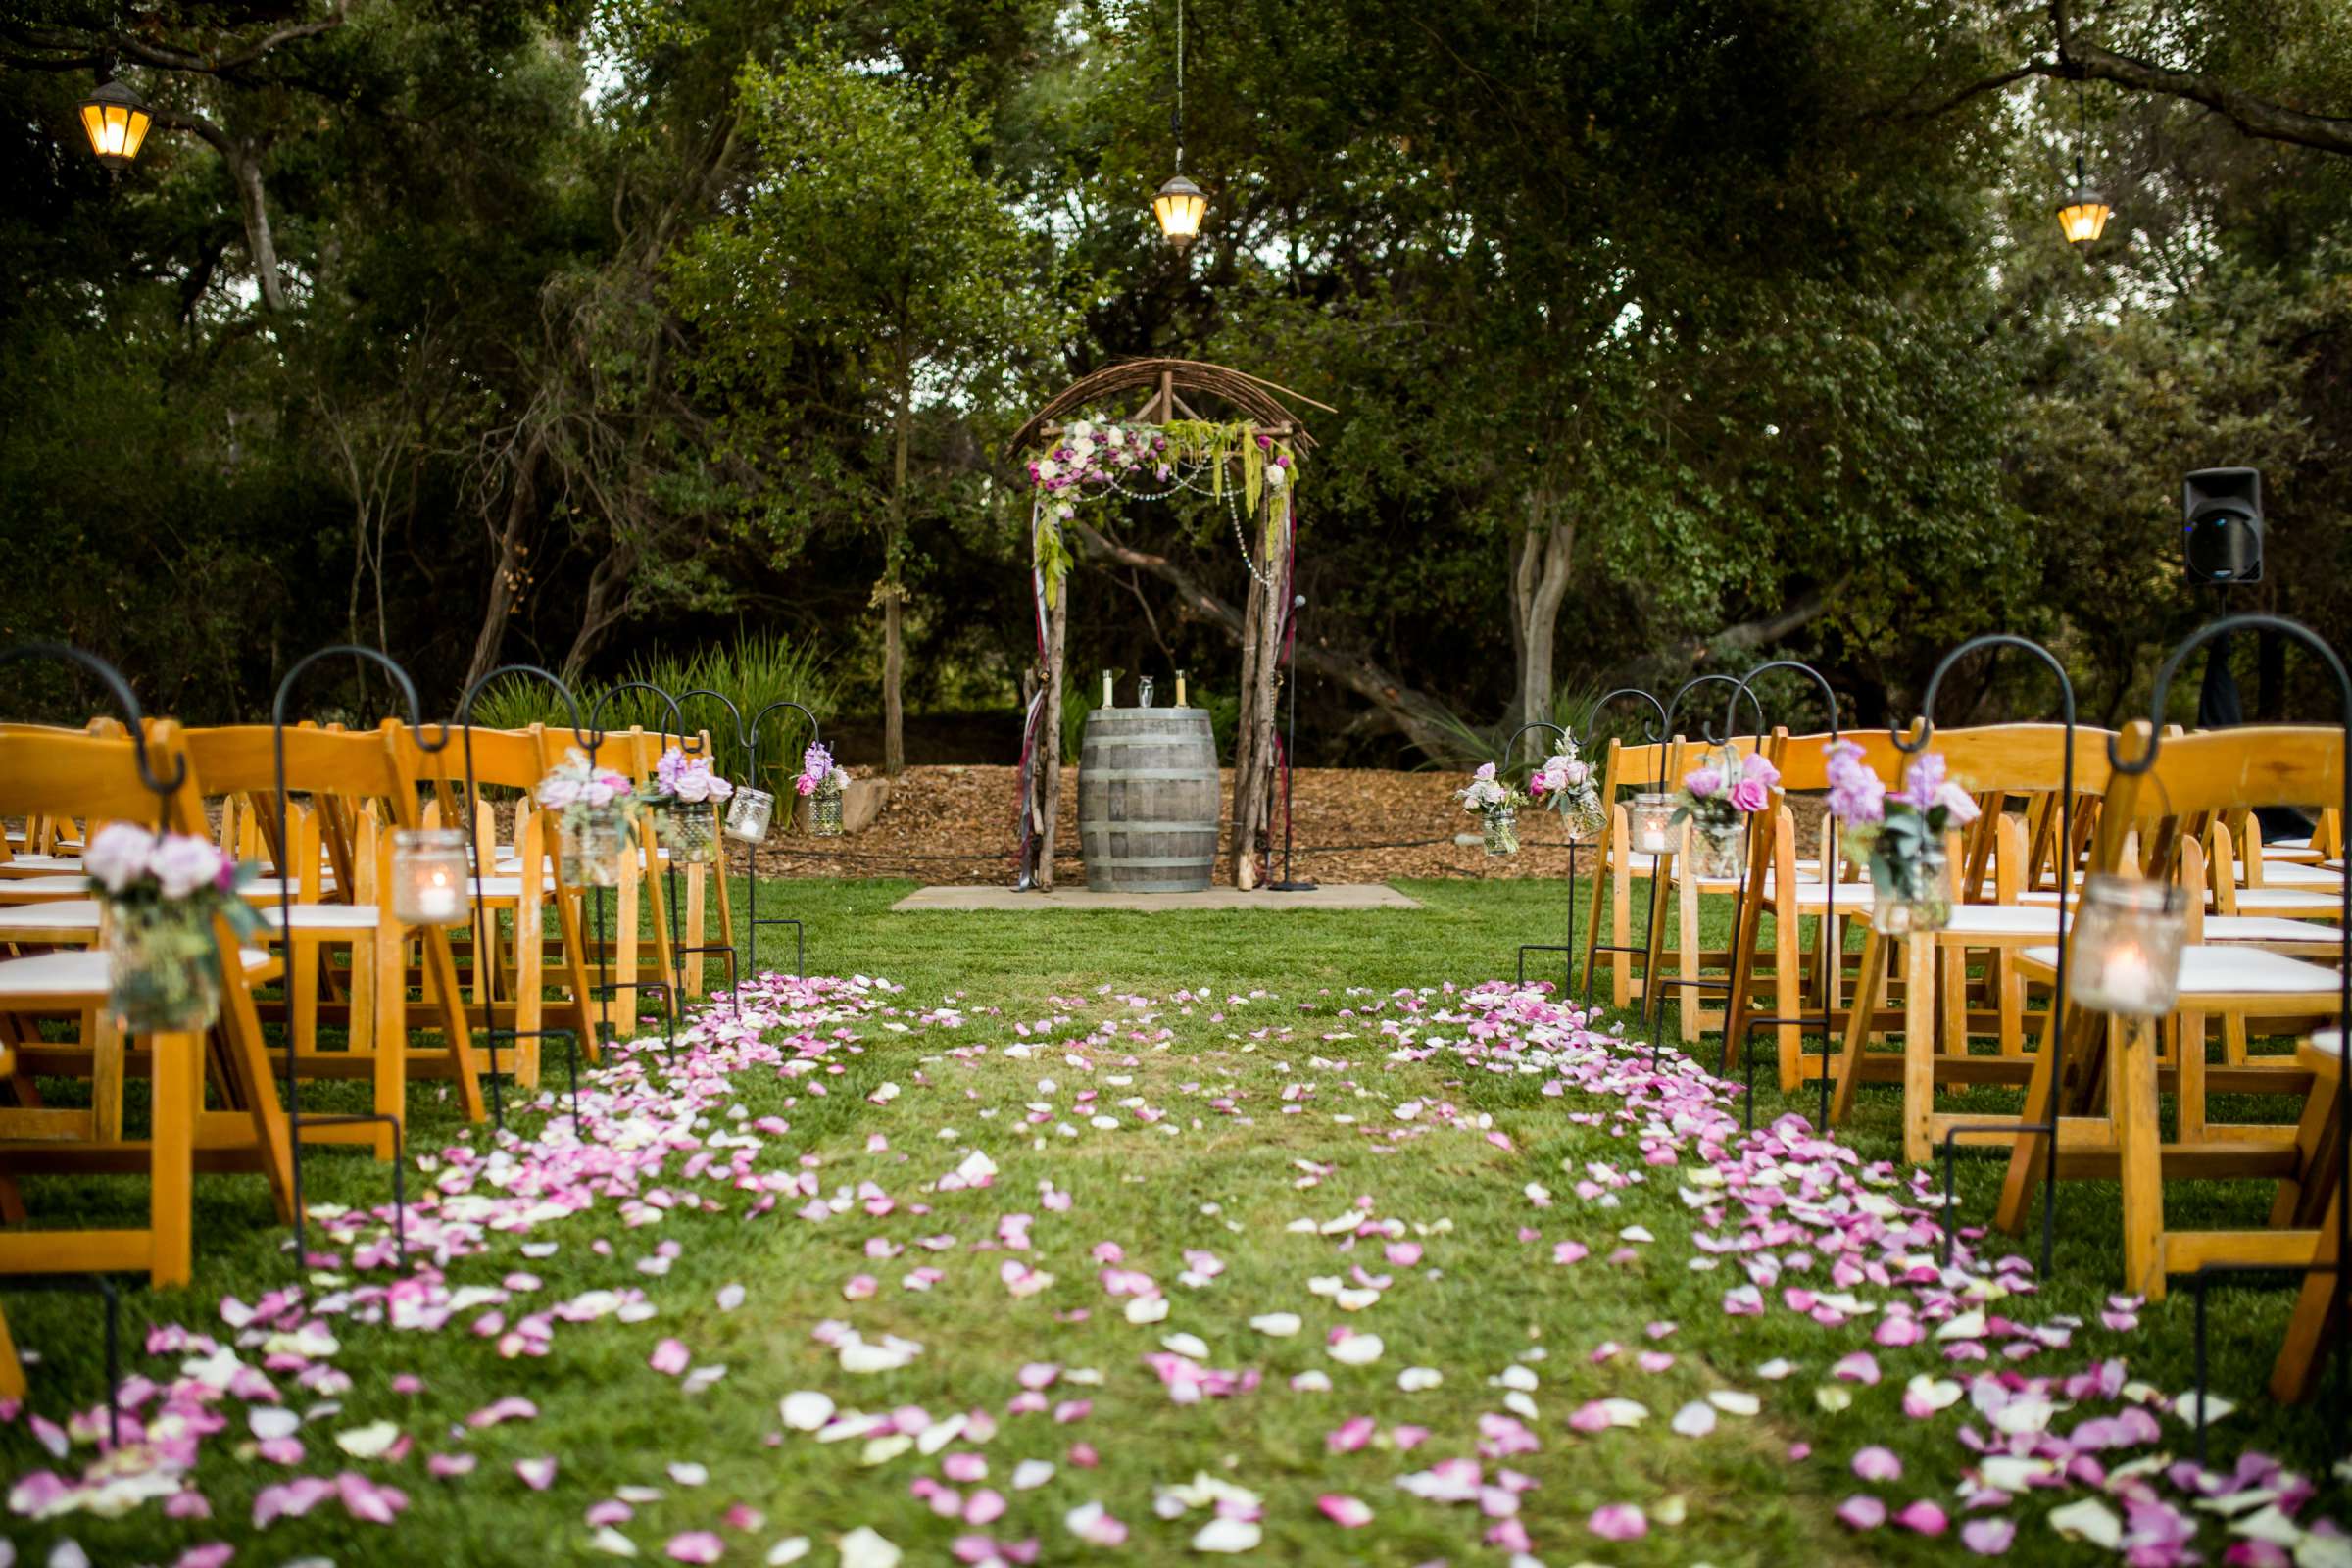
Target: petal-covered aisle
[(1441, 1275)]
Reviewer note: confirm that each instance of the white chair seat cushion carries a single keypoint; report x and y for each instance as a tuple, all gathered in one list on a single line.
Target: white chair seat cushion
[(52, 915), (2258, 928), (2300, 876), (2003, 920), (323, 916), (2286, 900), (504, 887), (2210, 971), (2331, 1041), (76, 972), (30, 864), (24, 889)]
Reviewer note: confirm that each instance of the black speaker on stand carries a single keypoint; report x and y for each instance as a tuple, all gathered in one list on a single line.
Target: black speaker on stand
[(2220, 525), (1289, 640)]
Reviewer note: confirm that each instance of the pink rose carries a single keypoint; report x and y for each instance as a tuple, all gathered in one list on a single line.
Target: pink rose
[(805, 784), (1956, 801), (184, 865), (1751, 795), (1704, 783)]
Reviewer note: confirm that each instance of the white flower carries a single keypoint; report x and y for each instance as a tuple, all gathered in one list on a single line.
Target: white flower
[(1048, 469), (1276, 479), (184, 865), (118, 856)]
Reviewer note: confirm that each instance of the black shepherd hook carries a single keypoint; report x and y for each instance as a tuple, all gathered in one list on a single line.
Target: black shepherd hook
[(487, 973), (1787, 928), (285, 930), (750, 854), (2340, 1294), (752, 921), (119, 690), (1654, 999), (2049, 1129), (135, 719), (1568, 952), (672, 992), (1656, 735)]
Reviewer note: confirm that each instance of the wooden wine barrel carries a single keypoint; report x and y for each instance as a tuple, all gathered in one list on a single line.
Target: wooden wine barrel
[(1147, 800)]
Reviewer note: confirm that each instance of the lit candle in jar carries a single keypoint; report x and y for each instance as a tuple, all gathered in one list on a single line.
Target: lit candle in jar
[(1180, 688), (437, 899), (2128, 980)]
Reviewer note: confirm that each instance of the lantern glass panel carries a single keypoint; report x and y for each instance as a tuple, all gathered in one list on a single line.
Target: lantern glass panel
[(2127, 947), (429, 876)]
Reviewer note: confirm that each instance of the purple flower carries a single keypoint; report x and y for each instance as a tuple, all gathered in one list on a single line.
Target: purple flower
[(1704, 783), (1921, 780), (1857, 798)]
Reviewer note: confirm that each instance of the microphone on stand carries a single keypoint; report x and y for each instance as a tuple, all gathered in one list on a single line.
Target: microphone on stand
[(1290, 884)]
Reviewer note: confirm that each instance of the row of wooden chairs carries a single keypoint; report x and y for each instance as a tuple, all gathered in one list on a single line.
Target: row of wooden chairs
[(337, 961), (2263, 962)]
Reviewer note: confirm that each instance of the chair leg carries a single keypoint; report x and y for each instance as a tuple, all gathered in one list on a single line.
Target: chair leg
[(12, 1370), (2027, 1156), (2139, 1146), (171, 1147), (698, 878), (1788, 995), (376, 977), (1919, 1048), (2189, 1099), (1689, 1021), (1857, 1027), (2295, 1377)]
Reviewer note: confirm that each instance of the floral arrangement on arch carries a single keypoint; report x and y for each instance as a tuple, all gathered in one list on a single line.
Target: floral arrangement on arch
[(1902, 833), (1096, 457)]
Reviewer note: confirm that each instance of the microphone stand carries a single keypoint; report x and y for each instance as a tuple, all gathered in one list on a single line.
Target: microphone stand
[(1289, 883)]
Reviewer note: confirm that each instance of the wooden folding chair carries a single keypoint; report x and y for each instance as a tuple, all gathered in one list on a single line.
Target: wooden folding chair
[(510, 973), (2316, 1201), (1689, 957), (1994, 868), (355, 794), (1615, 867), (97, 779), (2149, 824), (1791, 889)]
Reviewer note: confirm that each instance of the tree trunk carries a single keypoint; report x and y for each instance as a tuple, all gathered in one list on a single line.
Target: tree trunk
[(245, 165), (893, 592), (506, 573), (1539, 585)]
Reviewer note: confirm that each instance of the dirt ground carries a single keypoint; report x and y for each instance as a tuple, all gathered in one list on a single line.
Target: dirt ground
[(956, 824)]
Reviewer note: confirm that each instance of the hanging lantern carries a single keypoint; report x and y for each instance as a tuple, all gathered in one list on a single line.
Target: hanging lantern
[(116, 119), (2083, 215), (1180, 205), (2126, 953)]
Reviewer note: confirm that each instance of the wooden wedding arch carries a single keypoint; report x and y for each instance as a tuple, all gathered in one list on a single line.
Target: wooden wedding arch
[(1247, 463)]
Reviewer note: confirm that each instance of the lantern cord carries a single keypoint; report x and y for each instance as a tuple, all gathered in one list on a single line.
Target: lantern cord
[(1180, 86)]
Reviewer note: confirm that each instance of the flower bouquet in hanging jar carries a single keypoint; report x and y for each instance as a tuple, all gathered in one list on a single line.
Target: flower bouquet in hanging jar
[(1565, 784), (591, 804), (1902, 835), (1717, 799), (684, 799), (1496, 805), (160, 894), (823, 782)]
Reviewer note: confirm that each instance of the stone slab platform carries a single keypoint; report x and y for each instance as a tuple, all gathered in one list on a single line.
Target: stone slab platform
[(1329, 896)]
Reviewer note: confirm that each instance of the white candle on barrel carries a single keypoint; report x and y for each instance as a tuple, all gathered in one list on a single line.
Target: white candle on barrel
[(1106, 689)]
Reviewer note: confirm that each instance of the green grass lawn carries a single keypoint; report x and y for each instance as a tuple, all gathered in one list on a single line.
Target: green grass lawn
[(1234, 1119)]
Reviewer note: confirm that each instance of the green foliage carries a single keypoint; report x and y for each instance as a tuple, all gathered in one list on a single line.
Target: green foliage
[(751, 672)]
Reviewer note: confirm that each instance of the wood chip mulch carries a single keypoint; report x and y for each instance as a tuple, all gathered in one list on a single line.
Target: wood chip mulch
[(956, 824)]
